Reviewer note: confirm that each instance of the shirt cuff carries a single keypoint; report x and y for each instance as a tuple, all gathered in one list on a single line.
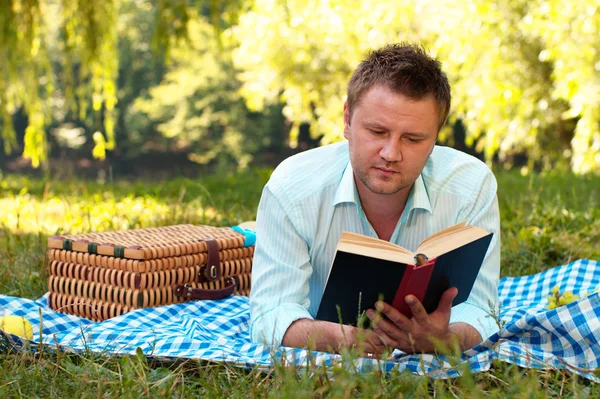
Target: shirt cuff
[(476, 317), (270, 328)]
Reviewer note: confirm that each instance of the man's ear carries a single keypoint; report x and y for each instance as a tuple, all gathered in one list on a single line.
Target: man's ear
[(346, 120)]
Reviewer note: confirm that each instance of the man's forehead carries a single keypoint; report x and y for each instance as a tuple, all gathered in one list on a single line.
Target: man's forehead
[(376, 97)]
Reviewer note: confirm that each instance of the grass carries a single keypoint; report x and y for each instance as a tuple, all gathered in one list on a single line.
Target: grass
[(547, 220)]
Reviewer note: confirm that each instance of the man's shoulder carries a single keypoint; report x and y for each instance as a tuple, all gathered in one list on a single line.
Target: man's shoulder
[(309, 172), (451, 170)]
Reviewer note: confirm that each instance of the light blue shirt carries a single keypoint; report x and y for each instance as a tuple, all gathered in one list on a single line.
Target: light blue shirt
[(311, 198)]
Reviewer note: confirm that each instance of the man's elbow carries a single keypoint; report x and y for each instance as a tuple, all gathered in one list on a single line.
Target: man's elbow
[(269, 328), (468, 336)]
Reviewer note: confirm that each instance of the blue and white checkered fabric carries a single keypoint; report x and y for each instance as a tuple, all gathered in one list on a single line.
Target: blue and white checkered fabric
[(531, 336)]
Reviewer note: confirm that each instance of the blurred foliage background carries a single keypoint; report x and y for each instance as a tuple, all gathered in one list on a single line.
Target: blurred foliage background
[(176, 86)]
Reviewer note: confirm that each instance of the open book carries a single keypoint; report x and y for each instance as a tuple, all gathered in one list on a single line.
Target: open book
[(366, 269)]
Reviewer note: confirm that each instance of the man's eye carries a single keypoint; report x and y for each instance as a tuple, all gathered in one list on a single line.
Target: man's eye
[(378, 132), (414, 140)]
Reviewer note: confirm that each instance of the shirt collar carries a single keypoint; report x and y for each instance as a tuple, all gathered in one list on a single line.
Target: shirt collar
[(346, 192), (419, 196)]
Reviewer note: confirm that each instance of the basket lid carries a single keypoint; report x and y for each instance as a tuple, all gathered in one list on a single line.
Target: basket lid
[(150, 243)]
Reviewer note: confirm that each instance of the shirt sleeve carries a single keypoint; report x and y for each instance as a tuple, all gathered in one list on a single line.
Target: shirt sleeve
[(280, 271), (475, 316), (482, 211)]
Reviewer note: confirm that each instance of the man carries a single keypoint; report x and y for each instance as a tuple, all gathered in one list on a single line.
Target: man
[(388, 180)]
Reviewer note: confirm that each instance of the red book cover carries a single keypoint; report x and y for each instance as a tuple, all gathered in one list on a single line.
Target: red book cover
[(414, 282)]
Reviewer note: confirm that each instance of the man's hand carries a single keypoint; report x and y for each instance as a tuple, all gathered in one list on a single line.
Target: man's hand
[(365, 343), (327, 336), (423, 331)]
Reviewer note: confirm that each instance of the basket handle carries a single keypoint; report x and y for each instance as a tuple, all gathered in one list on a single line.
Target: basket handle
[(188, 292)]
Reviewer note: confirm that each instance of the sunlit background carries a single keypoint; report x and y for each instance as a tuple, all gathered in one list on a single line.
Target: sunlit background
[(115, 90), (125, 114)]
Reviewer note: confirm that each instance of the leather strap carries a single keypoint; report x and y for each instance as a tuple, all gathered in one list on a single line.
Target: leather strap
[(188, 292), (212, 272)]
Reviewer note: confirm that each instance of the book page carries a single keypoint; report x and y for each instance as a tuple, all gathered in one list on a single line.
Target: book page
[(449, 239), (433, 246), (446, 231), (371, 241), (374, 247), (379, 253)]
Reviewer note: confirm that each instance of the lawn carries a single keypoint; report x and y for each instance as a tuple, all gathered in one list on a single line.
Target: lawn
[(547, 220)]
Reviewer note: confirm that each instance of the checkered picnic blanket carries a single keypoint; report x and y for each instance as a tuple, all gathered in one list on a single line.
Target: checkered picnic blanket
[(531, 336)]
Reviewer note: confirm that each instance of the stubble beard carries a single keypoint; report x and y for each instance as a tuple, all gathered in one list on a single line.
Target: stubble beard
[(390, 188)]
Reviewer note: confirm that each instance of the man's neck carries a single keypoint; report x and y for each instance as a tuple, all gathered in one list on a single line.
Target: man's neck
[(383, 211)]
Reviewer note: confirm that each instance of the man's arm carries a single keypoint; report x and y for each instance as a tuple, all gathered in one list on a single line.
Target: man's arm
[(466, 335), (280, 271), (331, 337), (280, 284)]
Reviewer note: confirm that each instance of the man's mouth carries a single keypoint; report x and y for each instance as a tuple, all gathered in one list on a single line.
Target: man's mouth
[(387, 171)]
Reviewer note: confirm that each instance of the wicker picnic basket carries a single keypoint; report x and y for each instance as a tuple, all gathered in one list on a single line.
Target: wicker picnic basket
[(103, 275)]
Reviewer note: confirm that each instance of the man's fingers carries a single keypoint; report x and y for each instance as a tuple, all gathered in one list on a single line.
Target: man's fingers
[(365, 341), (448, 296), (392, 331), (391, 334), (384, 338), (403, 340), (417, 309), (375, 344), (384, 325), (394, 316)]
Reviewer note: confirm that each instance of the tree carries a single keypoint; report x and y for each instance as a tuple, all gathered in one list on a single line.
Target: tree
[(570, 34), (198, 109), (87, 41), (525, 74), (87, 32), (515, 79)]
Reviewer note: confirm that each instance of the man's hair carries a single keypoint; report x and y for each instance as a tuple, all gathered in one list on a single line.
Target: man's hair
[(406, 69)]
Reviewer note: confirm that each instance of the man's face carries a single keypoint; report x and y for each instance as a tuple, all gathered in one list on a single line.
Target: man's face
[(390, 139)]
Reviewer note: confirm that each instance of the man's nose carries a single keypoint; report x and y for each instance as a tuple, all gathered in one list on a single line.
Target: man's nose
[(391, 151)]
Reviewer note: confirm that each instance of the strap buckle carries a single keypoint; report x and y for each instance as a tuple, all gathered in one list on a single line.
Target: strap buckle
[(231, 281), (212, 271), (188, 289)]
